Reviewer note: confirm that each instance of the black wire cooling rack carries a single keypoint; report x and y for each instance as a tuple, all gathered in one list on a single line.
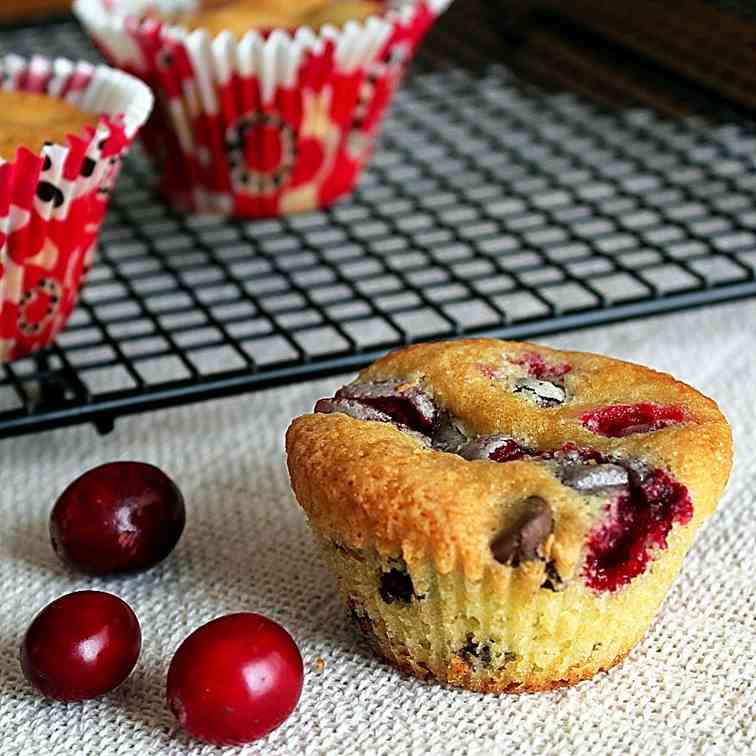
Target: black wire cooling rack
[(567, 188)]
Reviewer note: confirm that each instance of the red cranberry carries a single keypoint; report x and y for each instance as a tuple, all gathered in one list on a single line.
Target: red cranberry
[(81, 646), (619, 420), (235, 679), (120, 517), (537, 366), (645, 505)]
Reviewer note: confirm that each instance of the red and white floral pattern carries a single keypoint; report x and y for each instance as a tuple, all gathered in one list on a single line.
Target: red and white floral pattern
[(52, 203), (270, 124)]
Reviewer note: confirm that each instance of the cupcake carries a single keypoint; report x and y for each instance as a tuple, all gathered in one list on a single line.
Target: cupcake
[(502, 516), (64, 128), (264, 108)]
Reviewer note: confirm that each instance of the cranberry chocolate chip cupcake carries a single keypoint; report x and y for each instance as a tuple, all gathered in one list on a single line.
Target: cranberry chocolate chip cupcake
[(505, 517), (64, 128), (265, 108)]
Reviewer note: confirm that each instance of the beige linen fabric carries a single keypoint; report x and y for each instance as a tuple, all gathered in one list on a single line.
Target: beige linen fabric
[(687, 689)]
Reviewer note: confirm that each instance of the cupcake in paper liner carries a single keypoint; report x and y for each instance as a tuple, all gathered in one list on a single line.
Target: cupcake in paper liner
[(63, 134), (504, 517), (268, 122)]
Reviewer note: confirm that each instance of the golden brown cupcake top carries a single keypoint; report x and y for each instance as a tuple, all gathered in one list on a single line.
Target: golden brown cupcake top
[(28, 119), (239, 16)]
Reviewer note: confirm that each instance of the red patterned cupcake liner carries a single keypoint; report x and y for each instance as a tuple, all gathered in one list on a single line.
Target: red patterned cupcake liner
[(52, 203), (270, 124)]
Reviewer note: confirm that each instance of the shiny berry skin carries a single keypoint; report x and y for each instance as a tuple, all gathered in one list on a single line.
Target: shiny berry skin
[(235, 679), (620, 420), (80, 646), (119, 517)]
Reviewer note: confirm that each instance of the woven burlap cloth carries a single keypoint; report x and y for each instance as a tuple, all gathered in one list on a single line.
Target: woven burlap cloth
[(687, 688)]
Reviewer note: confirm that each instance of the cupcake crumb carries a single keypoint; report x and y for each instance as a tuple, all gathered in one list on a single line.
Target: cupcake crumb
[(319, 664)]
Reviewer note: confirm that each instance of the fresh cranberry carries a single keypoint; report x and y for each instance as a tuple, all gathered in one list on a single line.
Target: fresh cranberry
[(235, 679), (619, 420), (81, 646), (120, 517)]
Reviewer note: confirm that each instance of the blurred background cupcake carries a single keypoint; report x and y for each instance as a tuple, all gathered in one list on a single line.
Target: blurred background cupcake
[(262, 110), (63, 131)]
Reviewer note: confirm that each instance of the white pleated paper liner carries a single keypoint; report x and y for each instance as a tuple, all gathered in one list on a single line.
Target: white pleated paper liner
[(52, 203), (269, 124)]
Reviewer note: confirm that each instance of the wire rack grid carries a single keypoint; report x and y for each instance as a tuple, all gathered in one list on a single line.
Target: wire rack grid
[(494, 206)]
